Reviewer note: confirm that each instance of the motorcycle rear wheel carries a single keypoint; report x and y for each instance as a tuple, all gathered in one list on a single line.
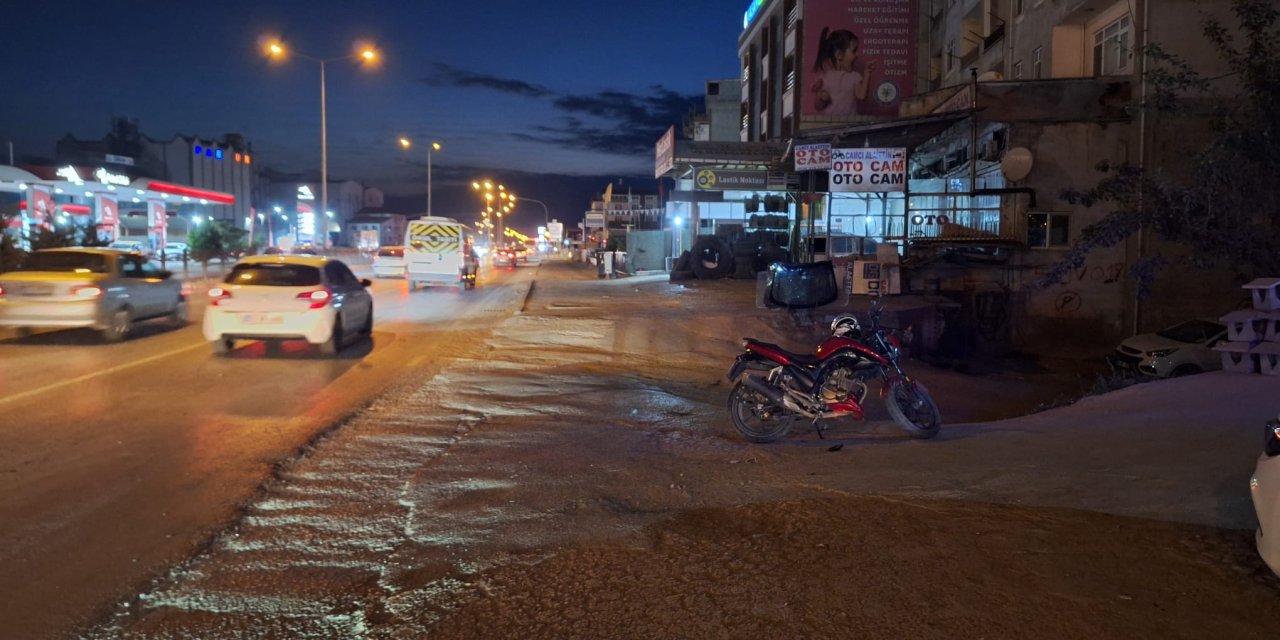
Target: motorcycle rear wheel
[(913, 409), (756, 417)]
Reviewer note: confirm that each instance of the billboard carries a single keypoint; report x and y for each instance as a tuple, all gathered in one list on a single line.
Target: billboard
[(108, 213), (665, 153), (40, 204), (860, 58), (863, 170), (730, 180)]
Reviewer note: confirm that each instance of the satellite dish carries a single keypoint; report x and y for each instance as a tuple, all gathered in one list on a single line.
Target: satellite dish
[(990, 76), (1016, 164)]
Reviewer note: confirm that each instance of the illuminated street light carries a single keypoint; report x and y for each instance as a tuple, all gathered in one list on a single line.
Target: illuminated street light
[(431, 148), (365, 52)]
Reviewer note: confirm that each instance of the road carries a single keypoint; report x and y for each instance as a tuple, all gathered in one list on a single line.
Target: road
[(120, 460)]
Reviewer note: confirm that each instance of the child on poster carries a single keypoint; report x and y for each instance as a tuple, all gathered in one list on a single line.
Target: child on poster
[(837, 86)]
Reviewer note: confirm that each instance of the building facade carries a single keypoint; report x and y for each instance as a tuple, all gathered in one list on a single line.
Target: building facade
[(999, 106), (225, 165)]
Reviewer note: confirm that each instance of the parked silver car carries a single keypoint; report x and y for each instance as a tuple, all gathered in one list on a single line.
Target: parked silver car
[(103, 289)]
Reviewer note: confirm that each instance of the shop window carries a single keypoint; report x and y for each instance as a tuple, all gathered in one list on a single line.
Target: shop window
[(1048, 230), (1111, 52)]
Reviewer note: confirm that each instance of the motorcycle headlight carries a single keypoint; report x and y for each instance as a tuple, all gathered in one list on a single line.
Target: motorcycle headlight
[(1160, 353)]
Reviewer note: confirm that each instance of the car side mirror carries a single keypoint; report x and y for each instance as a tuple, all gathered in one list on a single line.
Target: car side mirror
[(366, 283)]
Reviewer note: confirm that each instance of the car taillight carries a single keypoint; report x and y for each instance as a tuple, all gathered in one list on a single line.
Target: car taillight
[(318, 298), (218, 294), (86, 291), (1, 290), (1272, 435)]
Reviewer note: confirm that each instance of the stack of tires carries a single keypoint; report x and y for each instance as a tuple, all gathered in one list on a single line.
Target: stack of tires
[(712, 258)]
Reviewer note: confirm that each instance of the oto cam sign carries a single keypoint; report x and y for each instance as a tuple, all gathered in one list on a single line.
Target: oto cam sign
[(863, 170)]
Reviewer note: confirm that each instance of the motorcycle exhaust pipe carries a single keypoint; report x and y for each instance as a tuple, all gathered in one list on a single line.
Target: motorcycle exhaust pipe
[(774, 394)]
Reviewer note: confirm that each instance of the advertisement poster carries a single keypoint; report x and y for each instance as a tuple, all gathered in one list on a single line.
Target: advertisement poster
[(860, 58)]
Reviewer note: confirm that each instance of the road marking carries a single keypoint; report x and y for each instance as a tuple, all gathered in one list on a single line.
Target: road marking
[(90, 376)]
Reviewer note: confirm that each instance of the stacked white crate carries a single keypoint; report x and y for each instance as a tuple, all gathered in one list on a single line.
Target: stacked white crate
[(1253, 335)]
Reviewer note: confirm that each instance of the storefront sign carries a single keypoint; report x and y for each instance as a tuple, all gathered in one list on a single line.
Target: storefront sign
[(813, 157), (156, 218), (106, 177), (304, 193), (868, 170), (866, 64), (70, 174), (595, 220), (108, 211), (40, 203), (725, 180), (124, 160), (665, 153)]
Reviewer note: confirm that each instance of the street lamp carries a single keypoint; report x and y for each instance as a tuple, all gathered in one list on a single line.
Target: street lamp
[(275, 49), (434, 146)]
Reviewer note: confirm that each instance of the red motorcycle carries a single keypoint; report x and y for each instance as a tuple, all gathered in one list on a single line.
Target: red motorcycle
[(774, 387)]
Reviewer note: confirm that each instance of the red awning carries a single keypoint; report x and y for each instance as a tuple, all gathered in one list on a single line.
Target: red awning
[(183, 190)]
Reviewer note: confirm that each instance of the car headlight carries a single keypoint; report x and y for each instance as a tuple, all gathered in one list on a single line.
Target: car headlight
[(1160, 353), (1272, 435)]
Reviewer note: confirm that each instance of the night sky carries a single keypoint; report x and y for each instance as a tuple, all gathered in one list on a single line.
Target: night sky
[(553, 99)]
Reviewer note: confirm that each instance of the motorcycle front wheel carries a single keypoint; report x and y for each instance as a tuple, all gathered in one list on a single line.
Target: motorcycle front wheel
[(756, 417), (911, 407)]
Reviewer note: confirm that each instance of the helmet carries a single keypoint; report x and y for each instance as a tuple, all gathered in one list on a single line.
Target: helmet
[(846, 326)]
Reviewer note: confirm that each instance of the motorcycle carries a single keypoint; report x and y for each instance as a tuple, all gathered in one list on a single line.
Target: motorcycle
[(774, 387)]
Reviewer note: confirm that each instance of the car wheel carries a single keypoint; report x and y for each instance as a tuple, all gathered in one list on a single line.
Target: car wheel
[(180, 314), (334, 344), (119, 327), (223, 346), (1184, 370), (367, 329)]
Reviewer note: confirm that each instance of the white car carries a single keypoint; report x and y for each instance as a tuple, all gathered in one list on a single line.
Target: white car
[(1264, 486), (389, 263), (175, 250), (1180, 350), (283, 297)]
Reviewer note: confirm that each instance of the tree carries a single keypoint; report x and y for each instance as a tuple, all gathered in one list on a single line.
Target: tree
[(1224, 210), (57, 237), (215, 240)]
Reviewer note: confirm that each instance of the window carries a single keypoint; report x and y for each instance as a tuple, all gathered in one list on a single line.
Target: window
[(1037, 63), (1047, 230), (951, 55), (1017, 7), (1017, 70), (1111, 52)]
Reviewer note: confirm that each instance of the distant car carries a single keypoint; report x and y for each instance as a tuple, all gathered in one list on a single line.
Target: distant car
[(1264, 487), (103, 289), (389, 262), (272, 251), (1183, 349), (175, 250), (506, 256), (522, 252), (132, 246), (280, 297), (305, 250)]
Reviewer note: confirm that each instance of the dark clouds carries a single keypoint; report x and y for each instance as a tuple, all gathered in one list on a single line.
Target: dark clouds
[(613, 122)]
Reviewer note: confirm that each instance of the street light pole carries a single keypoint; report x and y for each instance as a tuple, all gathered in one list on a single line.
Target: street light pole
[(429, 147), (324, 153)]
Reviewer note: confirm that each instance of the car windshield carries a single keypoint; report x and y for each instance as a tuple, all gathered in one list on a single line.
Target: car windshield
[(1192, 331), (69, 261), (274, 275), (391, 253)]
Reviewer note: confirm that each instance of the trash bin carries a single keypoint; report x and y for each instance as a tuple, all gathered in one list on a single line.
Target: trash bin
[(619, 263), (605, 261), (601, 268)]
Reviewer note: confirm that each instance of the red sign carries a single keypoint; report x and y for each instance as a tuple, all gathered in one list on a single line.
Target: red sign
[(40, 204), (155, 216), (108, 211), (860, 58)]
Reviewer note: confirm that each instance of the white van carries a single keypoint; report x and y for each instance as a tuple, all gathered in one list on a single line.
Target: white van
[(439, 250)]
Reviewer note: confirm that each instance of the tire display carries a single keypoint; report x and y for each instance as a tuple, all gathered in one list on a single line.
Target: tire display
[(712, 258)]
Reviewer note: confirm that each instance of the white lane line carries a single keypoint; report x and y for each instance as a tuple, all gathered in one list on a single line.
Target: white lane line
[(90, 376)]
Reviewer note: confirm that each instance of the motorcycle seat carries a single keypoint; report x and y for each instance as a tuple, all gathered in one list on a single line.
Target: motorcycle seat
[(802, 359)]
